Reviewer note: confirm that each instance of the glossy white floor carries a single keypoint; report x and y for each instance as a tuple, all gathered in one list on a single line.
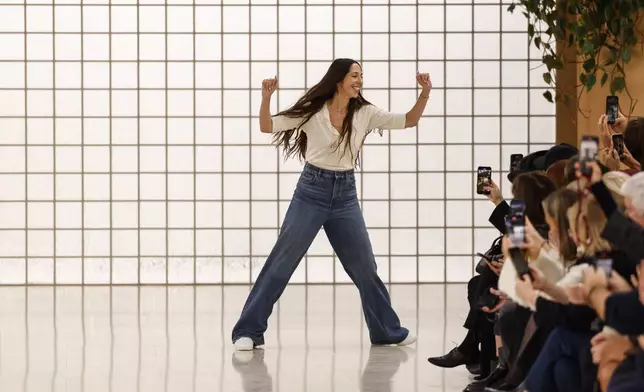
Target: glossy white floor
[(158, 338)]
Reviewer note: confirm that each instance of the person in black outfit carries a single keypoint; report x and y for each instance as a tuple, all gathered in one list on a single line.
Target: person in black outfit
[(533, 188)]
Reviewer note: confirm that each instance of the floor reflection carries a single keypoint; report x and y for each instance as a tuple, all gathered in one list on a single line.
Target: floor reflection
[(157, 338)]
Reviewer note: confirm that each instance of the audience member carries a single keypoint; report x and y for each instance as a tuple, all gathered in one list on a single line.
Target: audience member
[(575, 321)]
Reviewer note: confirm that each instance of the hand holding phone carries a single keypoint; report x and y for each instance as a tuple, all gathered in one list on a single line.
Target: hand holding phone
[(605, 263), (515, 223), (483, 179), (612, 109), (520, 263), (618, 144), (589, 147), (515, 161)]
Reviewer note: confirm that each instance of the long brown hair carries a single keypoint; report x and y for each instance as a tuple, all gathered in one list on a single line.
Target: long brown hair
[(294, 140), (634, 138), (533, 188), (556, 206)]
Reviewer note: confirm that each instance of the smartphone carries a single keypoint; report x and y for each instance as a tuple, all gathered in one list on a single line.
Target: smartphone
[(612, 109), (519, 262), (618, 143), (483, 179), (588, 147), (515, 222), (515, 160), (605, 263)]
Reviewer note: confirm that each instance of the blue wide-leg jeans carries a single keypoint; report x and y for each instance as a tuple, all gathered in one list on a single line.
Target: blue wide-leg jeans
[(322, 198)]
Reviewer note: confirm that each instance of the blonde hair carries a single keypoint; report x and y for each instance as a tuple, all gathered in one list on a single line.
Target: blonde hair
[(587, 221), (614, 181)]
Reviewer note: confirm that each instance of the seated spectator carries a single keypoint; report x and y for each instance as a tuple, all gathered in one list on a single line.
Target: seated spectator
[(569, 325), (573, 323), (533, 188)]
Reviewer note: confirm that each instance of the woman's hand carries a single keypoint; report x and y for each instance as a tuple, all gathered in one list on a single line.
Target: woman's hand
[(594, 278), (620, 124), (628, 160), (610, 348), (494, 193), (597, 172), (618, 284), (533, 241), (496, 265), (607, 130), (598, 338), (268, 87), (525, 290), (424, 81), (502, 300), (608, 157), (607, 154), (532, 245), (605, 133), (539, 280)]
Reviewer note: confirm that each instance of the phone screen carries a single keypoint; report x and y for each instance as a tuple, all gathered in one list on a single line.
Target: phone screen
[(515, 222), (618, 143), (483, 179), (515, 160), (612, 109), (588, 148), (605, 263)]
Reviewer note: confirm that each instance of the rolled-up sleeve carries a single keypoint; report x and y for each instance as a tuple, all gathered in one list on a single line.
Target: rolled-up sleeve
[(283, 123), (383, 119)]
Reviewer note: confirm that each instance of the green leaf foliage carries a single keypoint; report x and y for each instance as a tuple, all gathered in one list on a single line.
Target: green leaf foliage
[(602, 32)]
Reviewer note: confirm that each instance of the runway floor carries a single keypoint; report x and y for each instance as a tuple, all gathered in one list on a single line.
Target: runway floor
[(177, 338)]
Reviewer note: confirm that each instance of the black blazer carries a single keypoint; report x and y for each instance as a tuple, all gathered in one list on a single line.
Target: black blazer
[(497, 219), (622, 232), (625, 313)]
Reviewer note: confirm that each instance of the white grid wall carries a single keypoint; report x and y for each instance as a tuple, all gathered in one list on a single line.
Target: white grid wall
[(130, 150)]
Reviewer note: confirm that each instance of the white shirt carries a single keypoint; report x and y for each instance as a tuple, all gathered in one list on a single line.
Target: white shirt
[(322, 137), (549, 263)]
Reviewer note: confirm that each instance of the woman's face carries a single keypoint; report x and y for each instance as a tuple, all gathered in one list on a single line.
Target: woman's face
[(352, 82)]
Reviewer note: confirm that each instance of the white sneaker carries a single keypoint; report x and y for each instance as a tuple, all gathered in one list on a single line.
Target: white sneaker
[(245, 344), (410, 339)]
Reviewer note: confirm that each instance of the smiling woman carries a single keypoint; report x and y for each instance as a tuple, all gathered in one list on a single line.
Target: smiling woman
[(327, 127)]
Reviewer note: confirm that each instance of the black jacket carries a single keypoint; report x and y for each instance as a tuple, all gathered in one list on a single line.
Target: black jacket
[(622, 232), (497, 219), (625, 313)]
